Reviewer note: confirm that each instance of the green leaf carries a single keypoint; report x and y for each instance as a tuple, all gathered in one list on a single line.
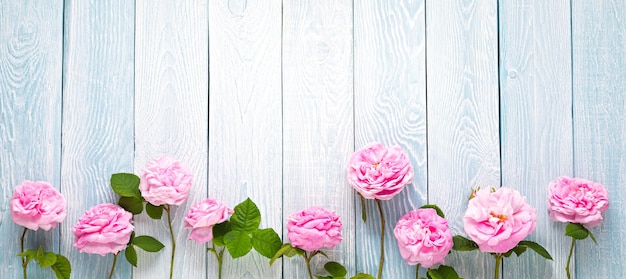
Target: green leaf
[(593, 238), (125, 184), (147, 243), (321, 253), (155, 212), (436, 208), (238, 243), (363, 208), (62, 267), (246, 217), (335, 269), (463, 244), (131, 255), (576, 231), (362, 276), (30, 254), (40, 254), (266, 242), (537, 248), (219, 231), (131, 204), (286, 250), (47, 260), (443, 272)]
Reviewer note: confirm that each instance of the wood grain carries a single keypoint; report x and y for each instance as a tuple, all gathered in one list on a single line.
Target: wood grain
[(536, 119), (318, 135), (30, 117), (463, 120), (599, 62), (390, 107), (97, 116), (245, 129)]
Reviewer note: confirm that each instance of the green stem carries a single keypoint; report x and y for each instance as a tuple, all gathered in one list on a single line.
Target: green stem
[(169, 222), (382, 240), (498, 261), (219, 256), (307, 260), (24, 263), (569, 258), (113, 266), (417, 271)]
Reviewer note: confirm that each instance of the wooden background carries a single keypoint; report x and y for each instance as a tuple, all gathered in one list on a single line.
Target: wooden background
[(268, 99)]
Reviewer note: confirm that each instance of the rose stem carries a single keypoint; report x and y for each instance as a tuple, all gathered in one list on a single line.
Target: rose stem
[(382, 240), (24, 263), (498, 261), (571, 249), (417, 271), (113, 266), (219, 257), (307, 260), (169, 222)]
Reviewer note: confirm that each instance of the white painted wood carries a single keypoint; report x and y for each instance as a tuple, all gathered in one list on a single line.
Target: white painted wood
[(171, 119), (97, 117), (390, 107), (599, 92), (463, 130), (318, 128), (245, 129), (536, 120), (30, 117)]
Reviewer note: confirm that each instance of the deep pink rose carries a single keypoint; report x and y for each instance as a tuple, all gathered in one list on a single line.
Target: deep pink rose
[(314, 228), (498, 221), (423, 237), (165, 181), (577, 200), (202, 216), (104, 228), (37, 205), (377, 172)]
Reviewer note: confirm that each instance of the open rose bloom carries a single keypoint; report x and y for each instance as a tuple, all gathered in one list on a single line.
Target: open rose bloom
[(577, 200), (165, 181), (498, 221), (314, 228), (423, 237), (378, 172), (203, 216), (37, 205), (104, 228)]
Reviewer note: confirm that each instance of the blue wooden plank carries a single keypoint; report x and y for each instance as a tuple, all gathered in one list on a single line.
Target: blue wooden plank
[(599, 96), (30, 117), (97, 116)]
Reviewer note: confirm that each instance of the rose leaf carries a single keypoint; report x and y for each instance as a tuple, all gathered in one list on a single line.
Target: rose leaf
[(246, 217), (463, 244), (147, 243), (125, 184), (131, 255), (436, 208), (62, 267), (536, 247), (155, 212), (131, 204), (576, 231), (335, 269), (238, 243), (266, 242), (47, 260)]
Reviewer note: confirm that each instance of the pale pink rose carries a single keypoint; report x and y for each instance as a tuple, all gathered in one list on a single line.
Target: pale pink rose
[(577, 200), (377, 172), (37, 205), (165, 181), (203, 216), (314, 228), (498, 221), (104, 228), (423, 237)]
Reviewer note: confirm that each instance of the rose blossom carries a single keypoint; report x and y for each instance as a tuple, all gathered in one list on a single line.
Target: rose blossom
[(104, 228), (314, 228), (377, 172), (202, 216), (577, 200), (498, 221), (36, 204), (165, 181), (423, 237)]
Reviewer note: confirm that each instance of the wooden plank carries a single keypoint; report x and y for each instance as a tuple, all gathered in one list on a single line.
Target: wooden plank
[(599, 63), (536, 119), (97, 116), (463, 130), (245, 129), (318, 120), (390, 107), (171, 119), (30, 116)]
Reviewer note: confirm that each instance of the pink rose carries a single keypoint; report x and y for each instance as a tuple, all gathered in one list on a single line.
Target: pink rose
[(498, 221), (314, 228), (577, 200), (165, 181), (377, 172), (36, 204), (202, 216), (423, 237), (104, 228)]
